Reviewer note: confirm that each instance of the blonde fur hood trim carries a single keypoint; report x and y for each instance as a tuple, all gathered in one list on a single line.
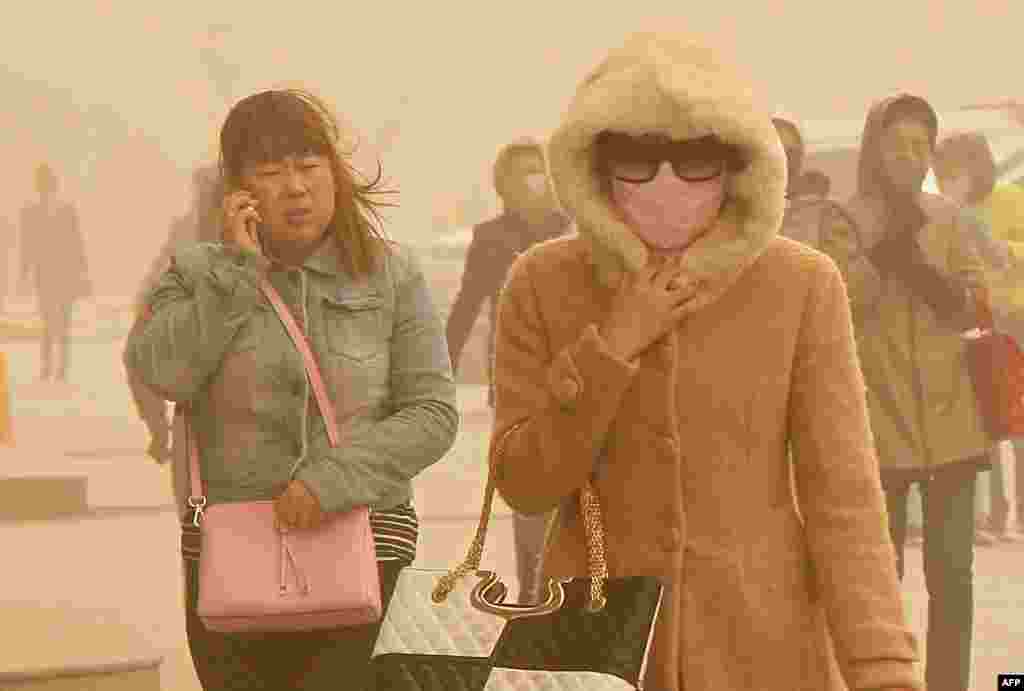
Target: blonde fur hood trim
[(670, 83)]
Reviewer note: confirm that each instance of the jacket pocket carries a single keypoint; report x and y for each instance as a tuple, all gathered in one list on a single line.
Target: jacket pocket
[(355, 326)]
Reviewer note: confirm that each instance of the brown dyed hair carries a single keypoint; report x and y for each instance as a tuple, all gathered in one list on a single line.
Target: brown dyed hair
[(970, 151), (271, 125)]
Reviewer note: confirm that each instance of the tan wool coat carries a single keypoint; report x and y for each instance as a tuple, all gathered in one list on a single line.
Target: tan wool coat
[(767, 587)]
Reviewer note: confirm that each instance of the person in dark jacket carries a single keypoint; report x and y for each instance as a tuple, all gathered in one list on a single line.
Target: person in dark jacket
[(530, 216), (200, 224), (53, 252), (805, 213), (910, 267)]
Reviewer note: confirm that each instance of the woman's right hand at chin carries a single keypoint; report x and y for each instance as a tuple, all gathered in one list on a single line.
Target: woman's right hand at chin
[(646, 306)]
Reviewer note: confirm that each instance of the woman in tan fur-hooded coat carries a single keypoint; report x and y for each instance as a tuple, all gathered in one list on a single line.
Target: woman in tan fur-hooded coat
[(686, 445)]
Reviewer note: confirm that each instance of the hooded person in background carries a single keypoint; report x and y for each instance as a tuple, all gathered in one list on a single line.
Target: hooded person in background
[(909, 264), (669, 354), (200, 224), (804, 213), (530, 215), (966, 171), (52, 249)]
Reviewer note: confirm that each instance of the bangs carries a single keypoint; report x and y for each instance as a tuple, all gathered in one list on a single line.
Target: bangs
[(273, 125)]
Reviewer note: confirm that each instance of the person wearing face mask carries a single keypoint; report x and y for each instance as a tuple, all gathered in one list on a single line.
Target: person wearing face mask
[(966, 171), (671, 353), (911, 269), (530, 216), (805, 213)]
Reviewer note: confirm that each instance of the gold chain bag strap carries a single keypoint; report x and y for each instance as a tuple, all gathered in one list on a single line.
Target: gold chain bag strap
[(590, 510)]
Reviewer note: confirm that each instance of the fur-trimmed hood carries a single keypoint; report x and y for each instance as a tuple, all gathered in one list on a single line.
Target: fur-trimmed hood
[(673, 84)]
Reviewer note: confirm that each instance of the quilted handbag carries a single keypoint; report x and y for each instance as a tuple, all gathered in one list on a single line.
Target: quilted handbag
[(996, 366), (254, 577), (443, 633)]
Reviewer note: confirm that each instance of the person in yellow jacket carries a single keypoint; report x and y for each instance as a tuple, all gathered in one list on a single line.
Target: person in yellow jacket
[(966, 171)]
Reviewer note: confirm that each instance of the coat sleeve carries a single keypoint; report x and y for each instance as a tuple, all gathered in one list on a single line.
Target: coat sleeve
[(478, 281), (192, 314), (842, 240), (553, 410), (840, 495), (375, 458)]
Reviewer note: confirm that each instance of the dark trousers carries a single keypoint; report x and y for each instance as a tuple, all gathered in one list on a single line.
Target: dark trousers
[(529, 538), (56, 339), (948, 505), (308, 661)]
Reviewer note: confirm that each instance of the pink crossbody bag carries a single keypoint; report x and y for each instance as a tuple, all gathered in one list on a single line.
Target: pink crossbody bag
[(255, 578)]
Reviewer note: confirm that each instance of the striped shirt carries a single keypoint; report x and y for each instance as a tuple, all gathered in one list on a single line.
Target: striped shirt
[(395, 535)]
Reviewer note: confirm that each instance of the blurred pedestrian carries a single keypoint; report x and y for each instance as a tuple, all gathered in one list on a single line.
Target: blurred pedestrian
[(530, 216), (805, 213), (966, 172), (53, 253), (909, 266)]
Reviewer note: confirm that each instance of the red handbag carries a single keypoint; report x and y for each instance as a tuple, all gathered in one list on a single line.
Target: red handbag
[(996, 365)]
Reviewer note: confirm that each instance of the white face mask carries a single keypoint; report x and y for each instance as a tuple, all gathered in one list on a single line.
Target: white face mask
[(957, 188)]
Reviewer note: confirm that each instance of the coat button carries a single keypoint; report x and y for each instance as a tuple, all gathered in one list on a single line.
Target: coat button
[(671, 539), (671, 449), (566, 391)]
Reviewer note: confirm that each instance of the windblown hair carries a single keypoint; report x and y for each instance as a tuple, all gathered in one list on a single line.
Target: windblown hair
[(271, 125)]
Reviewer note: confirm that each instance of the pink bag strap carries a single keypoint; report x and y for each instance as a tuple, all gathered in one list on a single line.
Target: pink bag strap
[(197, 500)]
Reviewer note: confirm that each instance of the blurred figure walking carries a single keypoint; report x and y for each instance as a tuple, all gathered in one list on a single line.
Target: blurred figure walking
[(909, 267), (530, 216), (53, 252)]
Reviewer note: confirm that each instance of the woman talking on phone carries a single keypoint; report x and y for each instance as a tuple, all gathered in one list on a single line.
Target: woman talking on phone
[(295, 214)]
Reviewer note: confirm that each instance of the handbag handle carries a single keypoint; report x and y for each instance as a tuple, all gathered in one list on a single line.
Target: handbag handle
[(197, 500), (593, 525)]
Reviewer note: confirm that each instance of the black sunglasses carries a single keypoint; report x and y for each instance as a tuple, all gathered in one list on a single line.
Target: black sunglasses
[(638, 159)]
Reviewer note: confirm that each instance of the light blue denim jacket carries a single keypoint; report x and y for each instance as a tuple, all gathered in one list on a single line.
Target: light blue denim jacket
[(212, 339)]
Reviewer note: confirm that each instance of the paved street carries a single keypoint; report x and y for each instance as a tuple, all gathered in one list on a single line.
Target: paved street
[(123, 556)]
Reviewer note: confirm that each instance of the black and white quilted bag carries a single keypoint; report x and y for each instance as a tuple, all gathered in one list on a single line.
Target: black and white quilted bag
[(442, 632)]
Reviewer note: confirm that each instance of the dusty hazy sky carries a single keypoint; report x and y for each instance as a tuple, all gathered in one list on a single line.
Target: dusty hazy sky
[(476, 74)]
